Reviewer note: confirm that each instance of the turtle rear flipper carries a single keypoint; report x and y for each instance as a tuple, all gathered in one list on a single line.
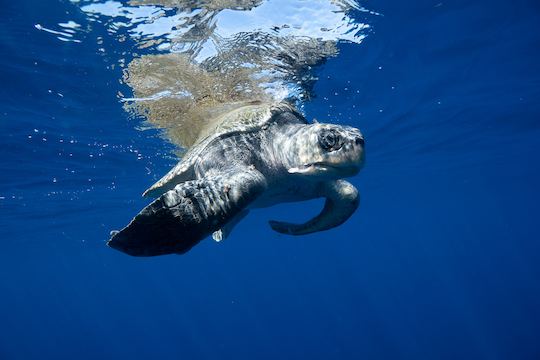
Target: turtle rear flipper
[(225, 231), (185, 215)]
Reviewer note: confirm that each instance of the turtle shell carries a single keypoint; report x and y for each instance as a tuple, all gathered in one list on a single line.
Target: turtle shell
[(229, 120)]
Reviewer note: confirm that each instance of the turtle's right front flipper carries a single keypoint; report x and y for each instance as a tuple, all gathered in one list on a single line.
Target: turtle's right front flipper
[(342, 199), (185, 215)]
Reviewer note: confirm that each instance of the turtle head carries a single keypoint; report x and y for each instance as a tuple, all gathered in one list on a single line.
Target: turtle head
[(327, 150)]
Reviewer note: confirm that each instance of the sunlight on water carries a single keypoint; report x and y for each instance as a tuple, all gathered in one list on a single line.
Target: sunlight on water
[(190, 59), (67, 32)]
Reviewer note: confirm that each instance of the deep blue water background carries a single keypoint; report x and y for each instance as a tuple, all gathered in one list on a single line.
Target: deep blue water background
[(441, 261)]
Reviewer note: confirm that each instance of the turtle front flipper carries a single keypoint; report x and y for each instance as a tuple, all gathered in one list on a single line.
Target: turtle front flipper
[(342, 200), (185, 215)]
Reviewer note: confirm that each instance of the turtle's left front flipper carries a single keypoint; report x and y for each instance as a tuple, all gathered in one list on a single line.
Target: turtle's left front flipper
[(185, 215), (342, 200)]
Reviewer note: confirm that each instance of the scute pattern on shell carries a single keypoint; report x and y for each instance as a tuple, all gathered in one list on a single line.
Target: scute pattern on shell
[(240, 118), (244, 118)]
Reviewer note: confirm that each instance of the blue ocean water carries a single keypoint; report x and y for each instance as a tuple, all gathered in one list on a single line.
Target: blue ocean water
[(441, 261)]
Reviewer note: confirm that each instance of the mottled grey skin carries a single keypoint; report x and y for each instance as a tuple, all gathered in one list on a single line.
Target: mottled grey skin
[(276, 158)]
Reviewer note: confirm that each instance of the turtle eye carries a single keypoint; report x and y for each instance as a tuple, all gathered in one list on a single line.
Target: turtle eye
[(330, 140)]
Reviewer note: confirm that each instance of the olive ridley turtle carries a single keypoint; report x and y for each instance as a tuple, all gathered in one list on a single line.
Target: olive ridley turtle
[(253, 155)]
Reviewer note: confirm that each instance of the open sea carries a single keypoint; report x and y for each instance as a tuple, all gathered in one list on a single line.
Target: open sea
[(440, 261)]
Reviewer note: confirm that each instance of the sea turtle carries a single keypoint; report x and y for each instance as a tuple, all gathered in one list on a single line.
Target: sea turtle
[(254, 155)]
